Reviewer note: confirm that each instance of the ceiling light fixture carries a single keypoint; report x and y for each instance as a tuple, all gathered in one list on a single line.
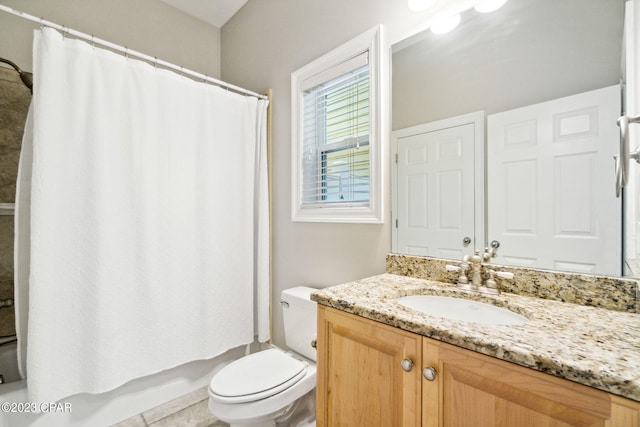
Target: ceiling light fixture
[(444, 25), (420, 5), (487, 6)]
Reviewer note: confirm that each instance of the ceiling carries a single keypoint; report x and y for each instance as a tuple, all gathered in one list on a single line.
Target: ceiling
[(214, 12)]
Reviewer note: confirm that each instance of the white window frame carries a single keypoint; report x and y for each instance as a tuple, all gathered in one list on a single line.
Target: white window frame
[(371, 42)]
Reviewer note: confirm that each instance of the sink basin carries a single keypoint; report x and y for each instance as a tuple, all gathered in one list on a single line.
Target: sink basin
[(462, 309)]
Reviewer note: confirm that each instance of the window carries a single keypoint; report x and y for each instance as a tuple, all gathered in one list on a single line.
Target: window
[(336, 142)]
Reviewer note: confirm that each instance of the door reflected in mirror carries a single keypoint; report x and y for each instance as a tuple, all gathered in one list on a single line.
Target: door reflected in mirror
[(545, 76)]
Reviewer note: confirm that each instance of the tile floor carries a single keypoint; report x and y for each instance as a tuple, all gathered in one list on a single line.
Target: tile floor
[(190, 410)]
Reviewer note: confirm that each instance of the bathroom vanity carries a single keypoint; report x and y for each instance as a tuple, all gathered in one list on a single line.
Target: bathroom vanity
[(381, 363)]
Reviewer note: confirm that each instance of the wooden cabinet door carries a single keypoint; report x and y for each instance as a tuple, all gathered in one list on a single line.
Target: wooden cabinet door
[(477, 390), (360, 378), (624, 413)]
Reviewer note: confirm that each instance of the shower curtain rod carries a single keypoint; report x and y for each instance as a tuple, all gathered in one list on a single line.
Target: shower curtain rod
[(129, 52)]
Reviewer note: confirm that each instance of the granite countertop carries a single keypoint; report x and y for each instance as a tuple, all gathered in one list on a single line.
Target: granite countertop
[(592, 346)]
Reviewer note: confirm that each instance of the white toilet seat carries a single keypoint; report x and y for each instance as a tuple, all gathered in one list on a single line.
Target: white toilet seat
[(256, 376)]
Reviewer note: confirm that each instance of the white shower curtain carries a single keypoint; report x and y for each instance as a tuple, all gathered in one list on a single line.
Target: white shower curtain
[(148, 221)]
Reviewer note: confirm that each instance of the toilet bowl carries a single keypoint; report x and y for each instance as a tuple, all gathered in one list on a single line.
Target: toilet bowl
[(273, 386), (260, 388)]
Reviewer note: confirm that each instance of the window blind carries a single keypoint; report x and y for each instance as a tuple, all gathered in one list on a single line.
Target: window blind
[(335, 147)]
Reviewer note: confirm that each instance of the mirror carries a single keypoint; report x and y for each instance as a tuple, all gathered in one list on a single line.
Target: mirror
[(527, 53)]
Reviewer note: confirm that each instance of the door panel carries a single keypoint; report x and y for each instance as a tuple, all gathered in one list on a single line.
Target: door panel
[(549, 173), (435, 190), (479, 391), (361, 381)]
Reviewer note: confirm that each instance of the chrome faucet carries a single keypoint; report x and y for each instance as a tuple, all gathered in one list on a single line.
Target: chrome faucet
[(476, 263), (473, 263)]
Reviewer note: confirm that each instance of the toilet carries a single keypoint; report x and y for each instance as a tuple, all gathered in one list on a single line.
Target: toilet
[(273, 386)]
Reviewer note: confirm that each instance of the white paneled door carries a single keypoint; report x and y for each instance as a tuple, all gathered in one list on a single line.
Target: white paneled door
[(435, 197), (632, 108), (550, 178)]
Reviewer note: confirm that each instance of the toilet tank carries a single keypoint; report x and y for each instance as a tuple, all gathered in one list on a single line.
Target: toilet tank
[(300, 320)]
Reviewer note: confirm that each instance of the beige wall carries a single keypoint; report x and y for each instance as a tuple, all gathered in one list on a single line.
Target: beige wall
[(261, 46), (147, 26)]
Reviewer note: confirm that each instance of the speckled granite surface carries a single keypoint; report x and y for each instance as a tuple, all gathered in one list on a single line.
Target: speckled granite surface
[(589, 345), (612, 293)]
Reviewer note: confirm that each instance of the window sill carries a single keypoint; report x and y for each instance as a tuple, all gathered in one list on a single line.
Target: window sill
[(364, 215)]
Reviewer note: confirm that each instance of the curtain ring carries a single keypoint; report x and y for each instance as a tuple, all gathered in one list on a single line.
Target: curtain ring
[(93, 41), (155, 62), (126, 52)]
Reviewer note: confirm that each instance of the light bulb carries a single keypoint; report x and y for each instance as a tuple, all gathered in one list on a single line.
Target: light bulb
[(420, 5), (487, 6), (444, 25)]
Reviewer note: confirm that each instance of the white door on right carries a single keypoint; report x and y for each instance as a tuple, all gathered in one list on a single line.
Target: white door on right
[(550, 174)]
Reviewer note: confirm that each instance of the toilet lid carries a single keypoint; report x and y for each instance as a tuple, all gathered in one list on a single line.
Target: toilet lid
[(256, 376)]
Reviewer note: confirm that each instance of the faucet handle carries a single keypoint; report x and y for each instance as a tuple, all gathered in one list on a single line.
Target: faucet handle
[(462, 268), (490, 282), (504, 274), (490, 286)]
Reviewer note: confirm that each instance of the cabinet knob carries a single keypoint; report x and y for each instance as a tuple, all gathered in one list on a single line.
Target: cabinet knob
[(429, 373), (407, 365)]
